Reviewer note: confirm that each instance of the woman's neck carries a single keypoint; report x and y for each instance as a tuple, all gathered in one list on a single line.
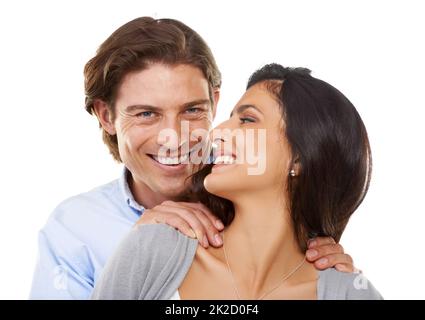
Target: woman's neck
[(260, 243)]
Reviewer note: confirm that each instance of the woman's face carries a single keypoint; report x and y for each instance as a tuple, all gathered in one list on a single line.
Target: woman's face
[(252, 153)]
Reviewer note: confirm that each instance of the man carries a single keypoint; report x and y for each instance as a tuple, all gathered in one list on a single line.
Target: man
[(149, 75)]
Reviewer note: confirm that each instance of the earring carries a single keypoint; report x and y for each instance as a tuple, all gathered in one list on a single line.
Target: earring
[(292, 173)]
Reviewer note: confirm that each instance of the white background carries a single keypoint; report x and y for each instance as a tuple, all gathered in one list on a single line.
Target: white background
[(373, 51)]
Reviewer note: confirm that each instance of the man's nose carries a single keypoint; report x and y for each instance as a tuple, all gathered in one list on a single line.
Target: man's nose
[(173, 134)]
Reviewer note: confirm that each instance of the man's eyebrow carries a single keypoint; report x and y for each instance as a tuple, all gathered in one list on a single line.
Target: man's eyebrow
[(243, 107), (195, 103), (146, 107)]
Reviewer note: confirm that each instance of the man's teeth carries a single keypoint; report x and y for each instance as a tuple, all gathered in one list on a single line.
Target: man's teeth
[(224, 160), (171, 160)]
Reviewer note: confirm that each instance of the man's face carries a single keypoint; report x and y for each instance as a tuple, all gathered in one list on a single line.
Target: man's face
[(159, 98)]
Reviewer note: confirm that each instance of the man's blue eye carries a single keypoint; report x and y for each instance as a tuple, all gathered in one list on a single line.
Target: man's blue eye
[(192, 110), (145, 114)]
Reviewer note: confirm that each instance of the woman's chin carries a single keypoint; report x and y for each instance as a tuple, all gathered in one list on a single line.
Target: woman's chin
[(219, 185)]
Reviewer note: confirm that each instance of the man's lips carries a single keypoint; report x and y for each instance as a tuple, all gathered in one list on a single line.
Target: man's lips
[(177, 160), (171, 161)]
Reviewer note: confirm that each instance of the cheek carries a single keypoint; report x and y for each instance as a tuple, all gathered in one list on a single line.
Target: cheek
[(203, 122), (278, 158), (132, 137)]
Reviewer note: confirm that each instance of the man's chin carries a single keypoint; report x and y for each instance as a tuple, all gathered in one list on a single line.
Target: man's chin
[(172, 191), (172, 195)]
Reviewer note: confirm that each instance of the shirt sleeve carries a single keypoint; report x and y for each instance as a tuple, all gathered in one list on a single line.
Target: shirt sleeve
[(360, 288), (64, 269), (336, 285), (149, 264)]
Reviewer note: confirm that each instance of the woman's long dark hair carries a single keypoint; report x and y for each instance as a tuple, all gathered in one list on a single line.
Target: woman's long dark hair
[(328, 140)]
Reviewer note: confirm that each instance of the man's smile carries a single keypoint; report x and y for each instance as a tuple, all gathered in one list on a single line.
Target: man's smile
[(171, 161)]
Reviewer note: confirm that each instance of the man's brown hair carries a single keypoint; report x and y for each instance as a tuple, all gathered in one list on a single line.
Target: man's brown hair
[(133, 47)]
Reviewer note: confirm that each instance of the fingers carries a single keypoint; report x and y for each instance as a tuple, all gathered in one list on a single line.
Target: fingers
[(156, 216), (192, 219), (317, 253), (175, 213), (344, 260), (349, 268), (325, 253), (205, 230), (214, 220), (320, 241), (178, 223)]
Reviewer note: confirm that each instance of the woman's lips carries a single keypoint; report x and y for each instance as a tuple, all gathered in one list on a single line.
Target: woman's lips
[(224, 159)]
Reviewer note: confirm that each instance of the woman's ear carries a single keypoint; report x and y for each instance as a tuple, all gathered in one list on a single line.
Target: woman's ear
[(104, 115), (295, 168)]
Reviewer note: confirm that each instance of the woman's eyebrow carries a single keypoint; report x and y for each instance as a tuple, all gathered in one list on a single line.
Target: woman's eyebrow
[(243, 107)]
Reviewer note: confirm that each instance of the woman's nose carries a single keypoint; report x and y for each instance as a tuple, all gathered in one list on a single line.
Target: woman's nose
[(221, 131), (221, 134), (227, 124)]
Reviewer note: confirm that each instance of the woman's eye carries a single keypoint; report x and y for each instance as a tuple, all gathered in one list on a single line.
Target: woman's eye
[(246, 120)]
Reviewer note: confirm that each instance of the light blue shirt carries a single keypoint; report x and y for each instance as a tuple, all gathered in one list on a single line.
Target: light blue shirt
[(79, 236)]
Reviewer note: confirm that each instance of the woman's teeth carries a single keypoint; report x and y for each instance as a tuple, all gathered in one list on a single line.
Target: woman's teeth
[(171, 160), (224, 160)]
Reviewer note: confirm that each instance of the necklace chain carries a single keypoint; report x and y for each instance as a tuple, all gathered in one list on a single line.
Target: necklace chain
[(286, 277)]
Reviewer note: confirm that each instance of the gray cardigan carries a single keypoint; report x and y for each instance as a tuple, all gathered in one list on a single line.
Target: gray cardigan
[(152, 261)]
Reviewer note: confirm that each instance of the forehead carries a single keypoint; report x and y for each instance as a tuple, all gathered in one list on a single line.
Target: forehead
[(261, 96), (163, 85)]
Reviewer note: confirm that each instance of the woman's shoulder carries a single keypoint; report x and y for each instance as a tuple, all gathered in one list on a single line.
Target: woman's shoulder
[(155, 244), (159, 246), (336, 285), (144, 262), (159, 239)]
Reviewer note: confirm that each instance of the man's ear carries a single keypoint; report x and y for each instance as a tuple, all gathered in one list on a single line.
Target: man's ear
[(216, 97), (104, 115)]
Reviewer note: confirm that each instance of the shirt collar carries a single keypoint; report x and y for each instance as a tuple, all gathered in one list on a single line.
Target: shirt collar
[(128, 196)]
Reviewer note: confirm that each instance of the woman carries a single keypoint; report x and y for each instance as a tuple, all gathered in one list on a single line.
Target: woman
[(316, 173)]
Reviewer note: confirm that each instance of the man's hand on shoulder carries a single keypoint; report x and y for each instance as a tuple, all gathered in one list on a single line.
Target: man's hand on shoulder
[(325, 253), (192, 219)]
